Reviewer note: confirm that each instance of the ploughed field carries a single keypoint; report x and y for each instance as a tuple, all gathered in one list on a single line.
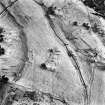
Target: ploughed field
[(52, 52)]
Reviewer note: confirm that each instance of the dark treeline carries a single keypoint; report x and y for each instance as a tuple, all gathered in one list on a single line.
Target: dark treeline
[(97, 5)]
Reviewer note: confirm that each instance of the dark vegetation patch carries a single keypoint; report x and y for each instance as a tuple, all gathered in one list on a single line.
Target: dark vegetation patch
[(1, 38), (43, 66), (97, 29), (35, 96), (3, 80), (97, 5), (75, 23), (2, 51), (86, 25), (3, 87)]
